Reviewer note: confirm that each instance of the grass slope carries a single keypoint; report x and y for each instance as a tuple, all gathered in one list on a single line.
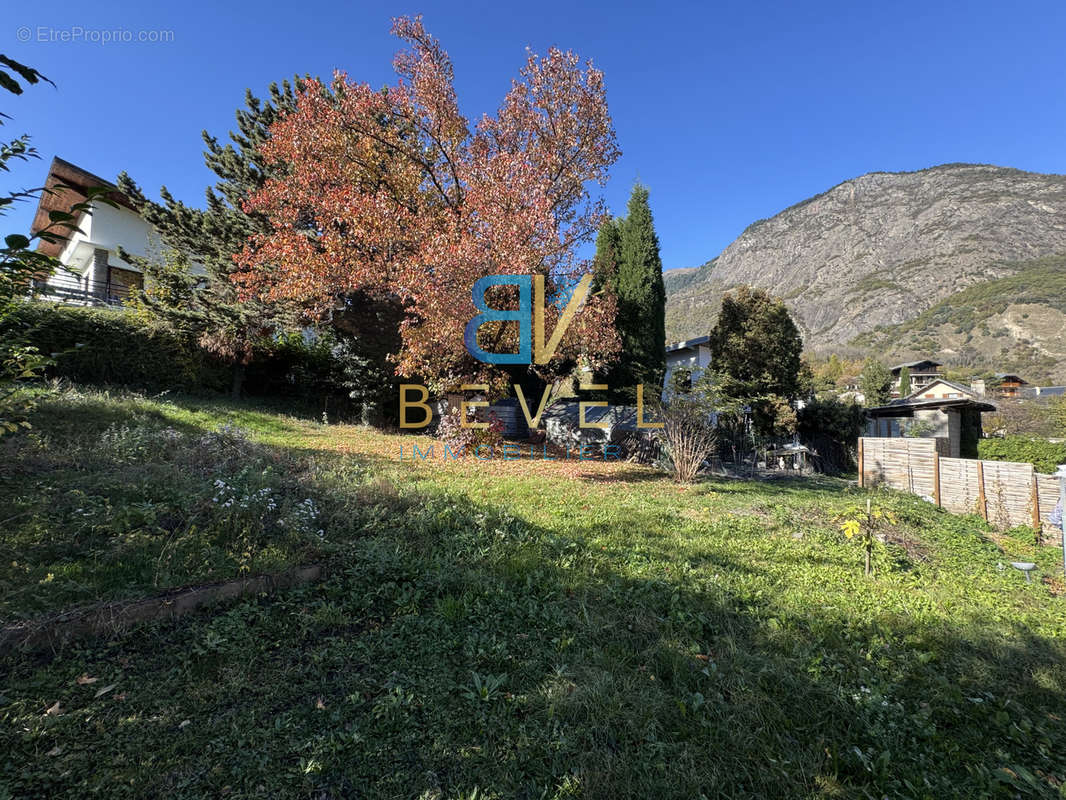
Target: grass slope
[(505, 629)]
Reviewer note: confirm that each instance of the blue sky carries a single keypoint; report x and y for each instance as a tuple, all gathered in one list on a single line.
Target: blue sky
[(729, 112)]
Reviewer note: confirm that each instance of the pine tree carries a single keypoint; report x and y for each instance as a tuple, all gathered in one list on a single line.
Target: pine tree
[(637, 282), (231, 328)]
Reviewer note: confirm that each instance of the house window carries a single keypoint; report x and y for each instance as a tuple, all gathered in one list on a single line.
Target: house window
[(121, 283)]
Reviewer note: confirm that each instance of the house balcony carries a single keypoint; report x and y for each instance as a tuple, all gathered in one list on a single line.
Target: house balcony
[(86, 293)]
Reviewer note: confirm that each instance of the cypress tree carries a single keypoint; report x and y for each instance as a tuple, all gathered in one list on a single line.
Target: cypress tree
[(608, 248), (904, 382), (875, 383), (638, 285)]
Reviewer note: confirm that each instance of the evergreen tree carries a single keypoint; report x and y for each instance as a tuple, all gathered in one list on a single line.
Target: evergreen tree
[(227, 326), (756, 353), (875, 382), (637, 281), (608, 248), (904, 382)]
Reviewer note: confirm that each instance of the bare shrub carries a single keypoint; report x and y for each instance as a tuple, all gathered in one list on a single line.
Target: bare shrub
[(688, 435)]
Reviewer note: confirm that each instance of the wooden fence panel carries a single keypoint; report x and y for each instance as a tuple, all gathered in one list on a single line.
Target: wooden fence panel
[(958, 485), (1003, 492), (1049, 497), (1009, 493), (905, 464)]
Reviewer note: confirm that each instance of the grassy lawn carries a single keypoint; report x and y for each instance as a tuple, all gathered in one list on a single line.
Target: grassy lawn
[(502, 629)]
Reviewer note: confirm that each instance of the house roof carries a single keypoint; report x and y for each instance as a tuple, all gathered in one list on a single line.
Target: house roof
[(1013, 376), (925, 389), (913, 364), (77, 181), (688, 344), (907, 409), (906, 406)]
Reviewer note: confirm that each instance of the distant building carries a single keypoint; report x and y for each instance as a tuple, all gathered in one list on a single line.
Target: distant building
[(693, 355), (1009, 385), (922, 374), (1048, 391), (939, 410), (1006, 385)]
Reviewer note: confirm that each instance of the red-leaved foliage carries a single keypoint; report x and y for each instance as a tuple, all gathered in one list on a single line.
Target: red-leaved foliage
[(391, 191)]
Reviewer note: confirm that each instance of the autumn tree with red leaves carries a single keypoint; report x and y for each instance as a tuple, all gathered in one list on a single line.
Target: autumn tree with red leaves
[(391, 192)]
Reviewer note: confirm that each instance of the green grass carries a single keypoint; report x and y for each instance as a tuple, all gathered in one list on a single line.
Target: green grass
[(507, 629)]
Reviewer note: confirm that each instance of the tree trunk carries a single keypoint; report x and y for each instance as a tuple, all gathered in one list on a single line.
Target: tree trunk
[(238, 381)]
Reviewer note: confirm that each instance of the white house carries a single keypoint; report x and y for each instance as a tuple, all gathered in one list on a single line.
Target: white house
[(693, 354), (94, 274)]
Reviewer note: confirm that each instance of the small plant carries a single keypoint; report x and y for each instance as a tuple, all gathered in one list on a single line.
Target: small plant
[(484, 688), (863, 525), (919, 429), (228, 446), (136, 444)]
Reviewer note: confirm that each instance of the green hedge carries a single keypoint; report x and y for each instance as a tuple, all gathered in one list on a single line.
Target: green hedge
[(113, 347), (1044, 455)]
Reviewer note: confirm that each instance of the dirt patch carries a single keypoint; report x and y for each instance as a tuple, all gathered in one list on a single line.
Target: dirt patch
[(105, 618)]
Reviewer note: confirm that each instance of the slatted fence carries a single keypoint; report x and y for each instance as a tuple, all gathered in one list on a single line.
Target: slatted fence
[(1007, 494)]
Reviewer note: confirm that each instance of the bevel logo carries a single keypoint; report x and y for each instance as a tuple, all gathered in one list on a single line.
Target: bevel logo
[(532, 349), (529, 315)]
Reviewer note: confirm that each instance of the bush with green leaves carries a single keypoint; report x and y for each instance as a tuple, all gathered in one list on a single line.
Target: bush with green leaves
[(1041, 453), (120, 347), (105, 346)]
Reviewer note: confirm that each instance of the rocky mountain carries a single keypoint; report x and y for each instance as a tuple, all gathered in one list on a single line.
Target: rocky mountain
[(965, 262)]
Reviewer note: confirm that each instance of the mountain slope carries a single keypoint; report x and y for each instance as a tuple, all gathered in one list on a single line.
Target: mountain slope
[(1014, 324), (879, 250)]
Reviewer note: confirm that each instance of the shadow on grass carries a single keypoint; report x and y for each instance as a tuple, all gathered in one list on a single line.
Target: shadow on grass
[(457, 648), (626, 475)]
